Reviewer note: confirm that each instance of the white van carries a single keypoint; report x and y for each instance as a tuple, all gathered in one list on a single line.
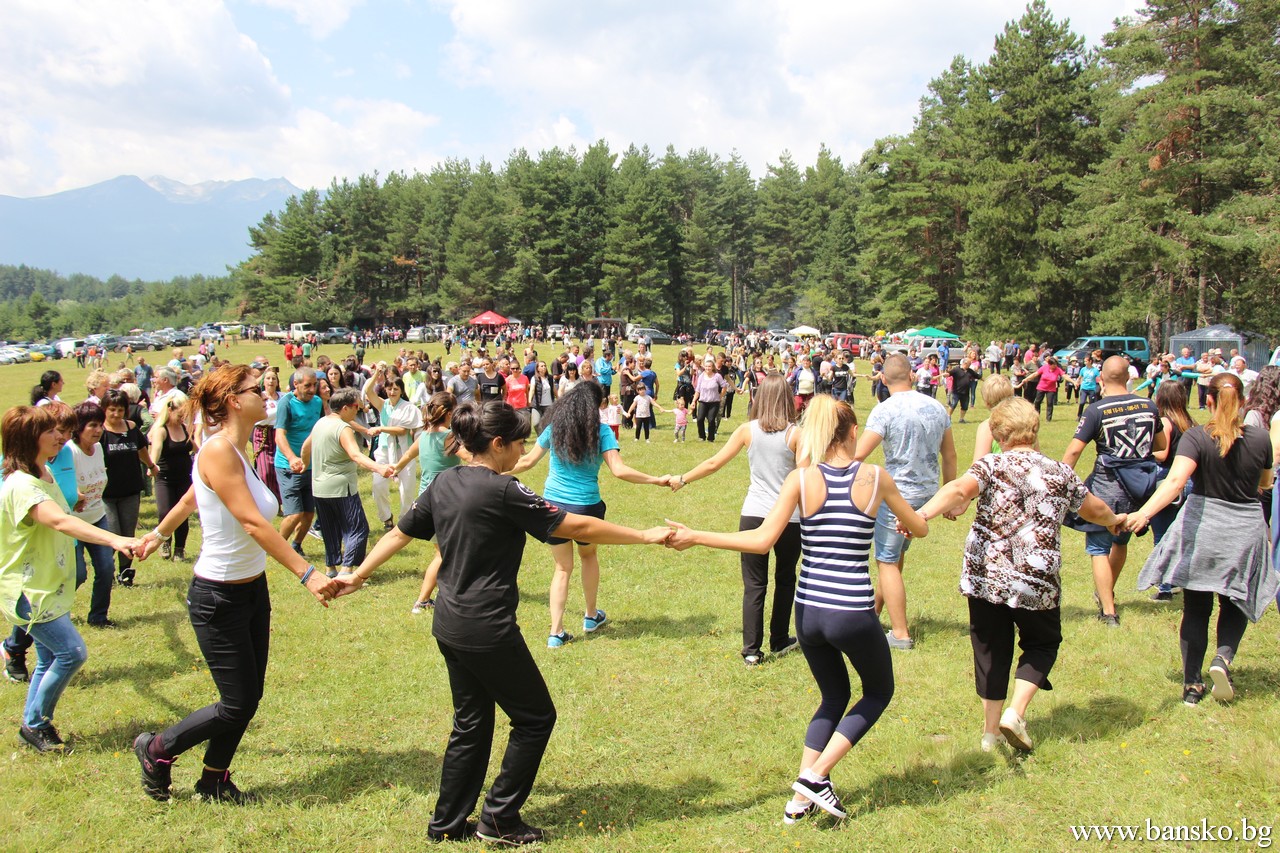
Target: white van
[(68, 346)]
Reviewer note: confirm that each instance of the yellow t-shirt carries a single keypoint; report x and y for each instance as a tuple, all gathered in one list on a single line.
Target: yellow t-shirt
[(35, 561)]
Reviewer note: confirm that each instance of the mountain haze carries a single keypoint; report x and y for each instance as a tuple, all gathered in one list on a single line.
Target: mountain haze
[(150, 229)]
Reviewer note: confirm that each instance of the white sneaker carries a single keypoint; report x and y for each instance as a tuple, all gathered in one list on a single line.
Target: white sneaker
[(1014, 729), (990, 741)]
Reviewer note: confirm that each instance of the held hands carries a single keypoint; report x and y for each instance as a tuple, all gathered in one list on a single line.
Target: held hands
[(131, 548), (147, 546), (322, 587), (389, 472), (657, 535), (676, 483), (348, 582), (375, 431), (679, 536), (664, 480), (1132, 522), (296, 465)]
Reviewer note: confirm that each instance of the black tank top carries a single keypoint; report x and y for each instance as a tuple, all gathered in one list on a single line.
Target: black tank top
[(175, 458)]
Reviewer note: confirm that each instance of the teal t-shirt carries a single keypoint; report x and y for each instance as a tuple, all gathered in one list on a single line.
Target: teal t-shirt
[(577, 484), (63, 469), (296, 418), (1089, 378), (431, 457)]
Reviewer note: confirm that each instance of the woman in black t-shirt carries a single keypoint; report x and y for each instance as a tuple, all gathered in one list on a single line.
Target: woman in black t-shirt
[(492, 384), (123, 445), (473, 511), (1231, 463)]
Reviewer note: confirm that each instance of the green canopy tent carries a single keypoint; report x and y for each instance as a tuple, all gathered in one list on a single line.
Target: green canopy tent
[(931, 332)]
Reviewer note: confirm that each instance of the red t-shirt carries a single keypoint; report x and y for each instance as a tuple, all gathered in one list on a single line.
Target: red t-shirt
[(517, 390)]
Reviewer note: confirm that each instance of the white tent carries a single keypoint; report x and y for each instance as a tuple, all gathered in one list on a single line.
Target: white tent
[(801, 331)]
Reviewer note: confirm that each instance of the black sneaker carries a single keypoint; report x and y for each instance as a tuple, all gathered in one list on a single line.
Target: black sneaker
[(15, 666), (156, 773), (1162, 595), (126, 576), (468, 832), (1192, 694), (223, 790), (1220, 674), (791, 645), (104, 623), (179, 554), (821, 794), (297, 548), (44, 739), (516, 834), (794, 811)]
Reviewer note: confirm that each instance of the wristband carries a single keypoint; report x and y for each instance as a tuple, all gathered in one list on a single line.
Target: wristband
[(680, 477), (307, 575), (160, 535)]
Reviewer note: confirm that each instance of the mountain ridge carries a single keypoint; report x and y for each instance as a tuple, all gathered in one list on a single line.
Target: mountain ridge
[(152, 229)]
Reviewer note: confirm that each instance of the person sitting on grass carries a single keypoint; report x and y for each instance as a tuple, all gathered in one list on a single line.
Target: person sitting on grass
[(835, 603), (1011, 573)]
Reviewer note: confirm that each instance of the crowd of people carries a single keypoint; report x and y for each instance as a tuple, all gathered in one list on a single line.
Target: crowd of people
[(261, 452)]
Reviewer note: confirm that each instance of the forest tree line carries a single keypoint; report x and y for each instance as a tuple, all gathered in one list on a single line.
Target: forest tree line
[(1049, 191)]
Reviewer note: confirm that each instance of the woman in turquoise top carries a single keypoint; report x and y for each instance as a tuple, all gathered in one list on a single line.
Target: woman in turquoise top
[(37, 568), (435, 451), (578, 443)]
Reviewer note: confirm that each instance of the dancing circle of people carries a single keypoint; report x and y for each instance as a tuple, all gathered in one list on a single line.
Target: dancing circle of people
[(240, 449)]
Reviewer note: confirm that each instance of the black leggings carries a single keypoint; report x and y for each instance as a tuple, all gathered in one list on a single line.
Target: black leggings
[(232, 622), (825, 636), (991, 628), (708, 419), (1197, 607), (755, 580), (643, 423), (1086, 398), (508, 678)]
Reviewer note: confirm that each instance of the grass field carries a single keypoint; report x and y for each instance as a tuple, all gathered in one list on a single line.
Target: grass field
[(665, 740)]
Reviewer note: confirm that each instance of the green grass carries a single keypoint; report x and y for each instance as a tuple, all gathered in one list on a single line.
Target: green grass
[(665, 741)]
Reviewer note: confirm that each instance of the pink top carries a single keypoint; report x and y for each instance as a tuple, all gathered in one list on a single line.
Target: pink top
[(1049, 376), (682, 417)]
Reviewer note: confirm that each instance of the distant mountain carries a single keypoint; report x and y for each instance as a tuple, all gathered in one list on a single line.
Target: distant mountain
[(152, 229)]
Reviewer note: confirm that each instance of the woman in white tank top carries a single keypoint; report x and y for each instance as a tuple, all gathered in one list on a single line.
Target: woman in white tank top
[(770, 440), (227, 600)]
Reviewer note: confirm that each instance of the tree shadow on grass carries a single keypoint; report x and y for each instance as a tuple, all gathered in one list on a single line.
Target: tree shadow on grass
[(620, 806), (1100, 717), (921, 784), (352, 772), (143, 675)]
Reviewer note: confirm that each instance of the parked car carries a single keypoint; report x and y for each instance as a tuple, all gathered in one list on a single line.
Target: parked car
[(335, 335), (107, 342), (140, 343), (655, 336), (846, 341), (556, 330), (785, 343), (40, 352), (67, 346), (416, 335), (14, 355), (1136, 348), (925, 346)]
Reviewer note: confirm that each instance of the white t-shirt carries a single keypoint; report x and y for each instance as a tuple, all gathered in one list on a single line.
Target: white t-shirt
[(91, 480)]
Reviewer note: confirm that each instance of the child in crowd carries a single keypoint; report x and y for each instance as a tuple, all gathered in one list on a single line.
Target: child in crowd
[(682, 419), (641, 411), (611, 414)]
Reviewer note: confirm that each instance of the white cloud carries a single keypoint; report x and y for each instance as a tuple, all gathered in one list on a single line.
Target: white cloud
[(759, 78), (321, 17)]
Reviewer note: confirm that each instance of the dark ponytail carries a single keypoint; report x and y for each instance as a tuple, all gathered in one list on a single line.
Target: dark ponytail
[(477, 424)]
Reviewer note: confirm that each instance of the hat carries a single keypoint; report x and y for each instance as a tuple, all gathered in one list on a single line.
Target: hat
[(257, 365)]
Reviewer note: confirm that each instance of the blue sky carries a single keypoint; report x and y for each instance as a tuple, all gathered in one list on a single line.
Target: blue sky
[(199, 90)]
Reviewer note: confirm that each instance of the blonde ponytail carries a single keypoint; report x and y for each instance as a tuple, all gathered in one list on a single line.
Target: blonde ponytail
[(1224, 427)]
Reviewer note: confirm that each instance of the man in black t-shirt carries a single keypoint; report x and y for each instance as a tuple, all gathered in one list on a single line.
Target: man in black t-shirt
[(959, 393), (841, 375), (1126, 430)]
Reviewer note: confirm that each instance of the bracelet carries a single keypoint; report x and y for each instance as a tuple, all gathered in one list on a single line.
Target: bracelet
[(680, 477), (307, 575), (160, 535)]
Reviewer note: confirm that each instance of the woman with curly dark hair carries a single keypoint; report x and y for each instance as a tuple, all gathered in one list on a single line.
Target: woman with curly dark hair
[(578, 443)]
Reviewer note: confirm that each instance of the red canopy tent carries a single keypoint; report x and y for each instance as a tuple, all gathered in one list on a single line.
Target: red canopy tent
[(488, 318)]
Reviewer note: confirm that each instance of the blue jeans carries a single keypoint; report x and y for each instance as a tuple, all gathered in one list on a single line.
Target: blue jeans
[(60, 652), (103, 574)]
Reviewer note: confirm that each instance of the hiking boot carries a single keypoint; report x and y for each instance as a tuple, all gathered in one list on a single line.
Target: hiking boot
[(44, 739), (166, 550), (15, 666), (517, 834), (156, 773), (223, 790), (1220, 673), (820, 794)]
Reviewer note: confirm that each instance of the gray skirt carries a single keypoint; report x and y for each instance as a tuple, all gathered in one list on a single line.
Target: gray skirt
[(1217, 546)]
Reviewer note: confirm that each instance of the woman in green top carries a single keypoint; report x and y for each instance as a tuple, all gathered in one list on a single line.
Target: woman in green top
[(335, 459), (38, 567), (435, 451)]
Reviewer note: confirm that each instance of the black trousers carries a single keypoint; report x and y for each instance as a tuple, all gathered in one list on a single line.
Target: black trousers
[(232, 622), (755, 580), (345, 530), (1049, 397), (708, 420), (168, 493), (508, 678), (991, 628), (1197, 607)]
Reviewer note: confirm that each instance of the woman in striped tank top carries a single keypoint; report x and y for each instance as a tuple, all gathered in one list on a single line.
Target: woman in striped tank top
[(835, 601)]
